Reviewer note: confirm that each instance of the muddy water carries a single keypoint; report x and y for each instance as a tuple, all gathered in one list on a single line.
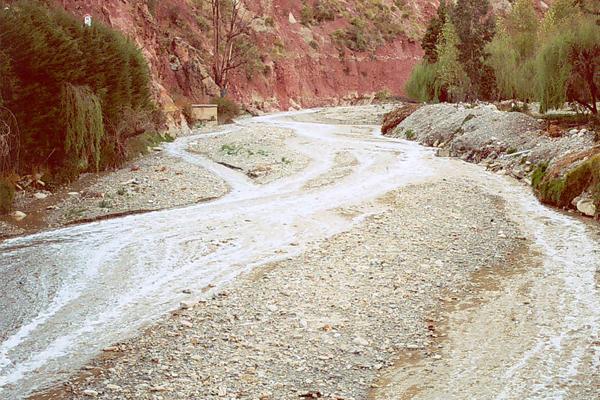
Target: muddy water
[(66, 294)]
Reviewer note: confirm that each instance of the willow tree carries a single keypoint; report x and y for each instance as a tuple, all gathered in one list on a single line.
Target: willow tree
[(512, 51), (84, 128), (567, 66), (421, 84)]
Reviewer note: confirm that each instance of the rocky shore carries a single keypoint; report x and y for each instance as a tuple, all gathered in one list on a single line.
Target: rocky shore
[(511, 143), (153, 182)]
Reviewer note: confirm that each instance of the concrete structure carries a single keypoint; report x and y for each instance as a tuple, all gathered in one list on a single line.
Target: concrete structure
[(205, 113)]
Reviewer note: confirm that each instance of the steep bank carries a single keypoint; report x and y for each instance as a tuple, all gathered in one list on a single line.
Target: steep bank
[(298, 65), (561, 164)]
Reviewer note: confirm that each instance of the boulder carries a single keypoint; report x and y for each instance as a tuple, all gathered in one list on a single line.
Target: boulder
[(292, 19), (586, 207), (19, 215)]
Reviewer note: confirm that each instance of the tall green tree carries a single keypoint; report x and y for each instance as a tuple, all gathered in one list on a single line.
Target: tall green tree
[(434, 30), (452, 80), (475, 26), (64, 71)]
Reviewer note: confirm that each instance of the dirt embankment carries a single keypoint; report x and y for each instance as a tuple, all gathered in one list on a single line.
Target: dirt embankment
[(563, 165)]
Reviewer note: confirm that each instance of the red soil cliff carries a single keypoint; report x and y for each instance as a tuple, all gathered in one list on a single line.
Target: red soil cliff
[(300, 66)]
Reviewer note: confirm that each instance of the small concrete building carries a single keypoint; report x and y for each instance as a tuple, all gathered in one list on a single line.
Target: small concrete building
[(205, 113)]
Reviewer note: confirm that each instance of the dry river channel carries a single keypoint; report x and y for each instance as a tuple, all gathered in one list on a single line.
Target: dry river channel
[(67, 294)]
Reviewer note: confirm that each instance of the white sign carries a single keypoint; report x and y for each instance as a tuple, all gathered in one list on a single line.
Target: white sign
[(87, 20)]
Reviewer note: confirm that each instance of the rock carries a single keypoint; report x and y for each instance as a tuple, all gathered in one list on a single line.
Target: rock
[(111, 386), (360, 341), (186, 323), (586, 207), (74, 194), (443, 153), (272, 307), (292, 19), (90, 393), (186, 305), (40, 195), (19, 215)]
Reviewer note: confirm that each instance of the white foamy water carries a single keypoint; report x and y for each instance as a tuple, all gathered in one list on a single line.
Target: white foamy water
[(105, 280), (68, 293)]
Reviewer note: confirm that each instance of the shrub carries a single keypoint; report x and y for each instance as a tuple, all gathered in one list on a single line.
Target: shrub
[(566, 66), (227, 109), (383, 95), (422, 83), (410, 134), (307, 14), (7, 195)]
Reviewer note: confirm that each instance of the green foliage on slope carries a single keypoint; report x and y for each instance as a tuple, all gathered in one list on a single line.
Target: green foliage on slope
[(71, 86)]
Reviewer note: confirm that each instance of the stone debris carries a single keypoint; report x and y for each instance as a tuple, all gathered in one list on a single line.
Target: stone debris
[(322, 324)]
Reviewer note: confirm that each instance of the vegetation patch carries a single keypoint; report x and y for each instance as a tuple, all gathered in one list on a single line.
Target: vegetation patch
[(227, 109), (560, 185), (76, 92), (410, 134), (552, 60)]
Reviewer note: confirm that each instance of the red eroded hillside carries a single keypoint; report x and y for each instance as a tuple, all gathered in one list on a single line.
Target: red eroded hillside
[(299, 65)]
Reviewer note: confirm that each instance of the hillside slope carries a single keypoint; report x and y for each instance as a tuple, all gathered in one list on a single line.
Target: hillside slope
[(300, 64)]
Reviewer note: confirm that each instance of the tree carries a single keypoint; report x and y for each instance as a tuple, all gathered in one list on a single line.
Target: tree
[(567, 65), (70, 85), (512, 51), (452, 80), (475, 26), (231, 33), (434, 30)]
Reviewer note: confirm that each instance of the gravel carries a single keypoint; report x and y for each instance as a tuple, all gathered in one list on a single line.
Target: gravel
[(154, 182), (322, 324), (257, 149), (509, 141), (353, 115)]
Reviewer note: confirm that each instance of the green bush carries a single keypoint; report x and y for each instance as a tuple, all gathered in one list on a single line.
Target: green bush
[(421, 84), (227, 109), (7, 195), (67, 76)]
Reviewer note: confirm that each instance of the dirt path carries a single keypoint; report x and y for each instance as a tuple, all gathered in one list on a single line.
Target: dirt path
[(352, 259)]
